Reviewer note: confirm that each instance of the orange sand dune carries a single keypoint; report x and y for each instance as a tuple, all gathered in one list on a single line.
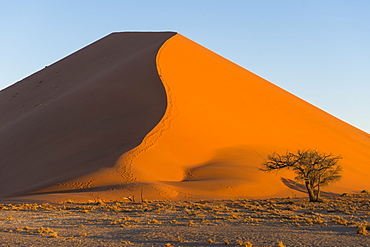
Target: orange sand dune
[(219, 124), (222, 121)]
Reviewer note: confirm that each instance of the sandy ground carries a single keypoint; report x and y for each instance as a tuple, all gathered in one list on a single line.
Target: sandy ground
[(293, 221)]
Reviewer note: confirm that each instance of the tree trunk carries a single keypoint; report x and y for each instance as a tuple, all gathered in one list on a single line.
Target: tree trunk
[(318, 197), (310, 191)]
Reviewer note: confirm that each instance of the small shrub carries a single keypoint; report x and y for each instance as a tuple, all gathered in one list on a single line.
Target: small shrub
[(318, 220), (191, 223), (154, 221), (100, 202), (280, 244), (362, 230), (340, 221), (126, 242), (239, 242), (178, 239), (308, 221)]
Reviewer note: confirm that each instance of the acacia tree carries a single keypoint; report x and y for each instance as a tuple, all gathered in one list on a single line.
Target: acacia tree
[(313, 168)]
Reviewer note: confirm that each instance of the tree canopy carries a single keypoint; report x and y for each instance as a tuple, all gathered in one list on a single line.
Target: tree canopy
[(313, 168)]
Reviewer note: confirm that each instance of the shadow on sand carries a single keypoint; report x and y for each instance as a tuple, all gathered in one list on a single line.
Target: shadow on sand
[(301, 188)]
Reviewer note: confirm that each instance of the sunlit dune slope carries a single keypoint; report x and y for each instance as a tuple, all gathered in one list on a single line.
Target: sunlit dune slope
[(80, 114), (222, 121)]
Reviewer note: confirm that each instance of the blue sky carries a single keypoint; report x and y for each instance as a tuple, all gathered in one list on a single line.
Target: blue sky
[(317, 50)]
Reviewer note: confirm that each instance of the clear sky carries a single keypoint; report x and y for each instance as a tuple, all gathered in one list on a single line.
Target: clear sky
[(317, 50)]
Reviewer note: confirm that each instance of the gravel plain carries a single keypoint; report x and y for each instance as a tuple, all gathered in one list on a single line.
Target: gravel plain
[(339, 221)]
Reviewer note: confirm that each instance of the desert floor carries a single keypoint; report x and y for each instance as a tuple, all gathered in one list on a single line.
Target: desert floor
[(339, 221)]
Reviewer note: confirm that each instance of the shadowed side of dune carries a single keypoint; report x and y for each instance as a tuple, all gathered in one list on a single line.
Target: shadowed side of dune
[(80, 114)]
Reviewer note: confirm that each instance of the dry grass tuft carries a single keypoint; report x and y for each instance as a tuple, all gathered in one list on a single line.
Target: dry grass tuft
[(246, 244), (100, 202), (280, 244), (340, 221), (126, 242), (191, 223), (178, 239), (154, 221), (362, 230)]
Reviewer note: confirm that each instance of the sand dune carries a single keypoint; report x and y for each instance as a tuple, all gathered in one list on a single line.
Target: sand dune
[(224, 120), (204, 126)]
